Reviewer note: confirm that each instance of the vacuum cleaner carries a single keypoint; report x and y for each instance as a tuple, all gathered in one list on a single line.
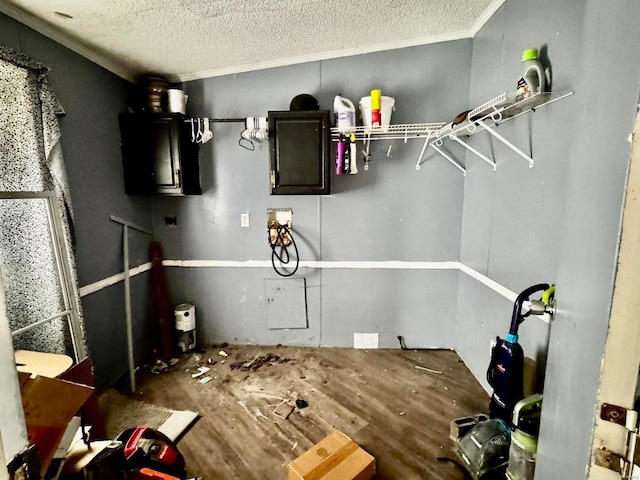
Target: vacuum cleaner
[(483, 444), (505, 372)]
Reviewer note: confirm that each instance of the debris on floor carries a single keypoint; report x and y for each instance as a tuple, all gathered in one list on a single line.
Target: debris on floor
[(430, 370), (162, 367), (201, 371), (283, 410), (259, 361)]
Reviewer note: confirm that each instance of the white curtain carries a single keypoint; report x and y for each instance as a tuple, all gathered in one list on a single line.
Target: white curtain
[(31, 161)]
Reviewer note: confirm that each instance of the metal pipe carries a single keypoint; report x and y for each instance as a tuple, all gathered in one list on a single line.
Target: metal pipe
[(127, 306)]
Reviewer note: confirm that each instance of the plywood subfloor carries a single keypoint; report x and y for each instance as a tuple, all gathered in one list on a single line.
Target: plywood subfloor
[(249, 430)]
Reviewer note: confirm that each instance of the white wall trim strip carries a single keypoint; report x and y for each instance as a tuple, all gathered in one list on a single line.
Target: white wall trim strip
[(112, 280), (495, 286), (355, 265), (367, 265)]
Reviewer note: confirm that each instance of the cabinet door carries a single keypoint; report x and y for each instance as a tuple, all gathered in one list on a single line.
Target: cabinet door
[(299, 152), (163, 144), (151, 153), (137, 161)]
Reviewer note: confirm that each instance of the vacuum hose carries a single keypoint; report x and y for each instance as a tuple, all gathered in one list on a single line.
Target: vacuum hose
[(517, 318)]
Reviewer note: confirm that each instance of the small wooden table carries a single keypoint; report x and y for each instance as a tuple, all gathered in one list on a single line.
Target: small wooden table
[(44, 364)]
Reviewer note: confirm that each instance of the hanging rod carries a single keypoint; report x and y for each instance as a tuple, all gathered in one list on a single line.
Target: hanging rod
[(219, 120)]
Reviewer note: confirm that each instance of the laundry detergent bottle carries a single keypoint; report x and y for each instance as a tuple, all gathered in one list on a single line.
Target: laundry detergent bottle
[(533, 79), (345, 114)]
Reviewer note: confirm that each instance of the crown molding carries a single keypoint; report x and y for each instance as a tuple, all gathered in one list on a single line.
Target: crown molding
[(130, 74), (347, 52), (486, 15), (52, 33)]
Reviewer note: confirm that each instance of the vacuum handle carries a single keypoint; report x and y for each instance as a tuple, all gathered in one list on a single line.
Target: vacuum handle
[(525, 404), (517, 306)]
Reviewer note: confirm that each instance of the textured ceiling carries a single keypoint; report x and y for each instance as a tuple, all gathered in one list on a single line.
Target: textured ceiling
[(191, 39)]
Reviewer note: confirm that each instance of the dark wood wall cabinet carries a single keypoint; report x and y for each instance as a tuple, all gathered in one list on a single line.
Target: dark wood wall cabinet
[(158, 155), (300, 145)]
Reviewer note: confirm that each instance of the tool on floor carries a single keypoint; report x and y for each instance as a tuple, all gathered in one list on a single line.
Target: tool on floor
[(145, 447), (506, 369)]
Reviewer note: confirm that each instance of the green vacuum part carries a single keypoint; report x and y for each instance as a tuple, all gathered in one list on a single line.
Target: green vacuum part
[(524, 439)]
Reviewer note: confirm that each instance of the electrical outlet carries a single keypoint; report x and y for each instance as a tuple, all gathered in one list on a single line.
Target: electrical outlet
[(282, 216), (244, 219), (277, 217)]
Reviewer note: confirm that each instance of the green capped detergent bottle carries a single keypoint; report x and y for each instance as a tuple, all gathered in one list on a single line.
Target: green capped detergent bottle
[(533, 78)]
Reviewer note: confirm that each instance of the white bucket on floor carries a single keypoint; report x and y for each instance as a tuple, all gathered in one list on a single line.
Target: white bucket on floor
[(387, 106), (185, 316)]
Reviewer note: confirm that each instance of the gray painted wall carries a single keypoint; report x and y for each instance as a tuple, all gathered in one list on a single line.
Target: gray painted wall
[(92, 99), (514, 217), (558, 222), (390, 212)]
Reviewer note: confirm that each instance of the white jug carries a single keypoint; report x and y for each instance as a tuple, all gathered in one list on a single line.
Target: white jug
[(177, 101), (345, 114)]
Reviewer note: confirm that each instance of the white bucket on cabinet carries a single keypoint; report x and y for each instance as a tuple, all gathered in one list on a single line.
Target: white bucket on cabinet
[(185, 316), (177, 101)]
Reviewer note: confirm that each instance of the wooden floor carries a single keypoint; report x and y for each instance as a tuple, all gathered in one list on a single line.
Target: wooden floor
[(398, 413)]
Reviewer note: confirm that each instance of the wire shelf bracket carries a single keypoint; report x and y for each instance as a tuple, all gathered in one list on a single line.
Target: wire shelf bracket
[(506, 142), (449, 158), (487, 116), (475, 151)]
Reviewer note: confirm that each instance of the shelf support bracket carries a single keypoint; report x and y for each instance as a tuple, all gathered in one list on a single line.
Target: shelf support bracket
[(424, 148), (451, 160), (506, 142), (473, 150)]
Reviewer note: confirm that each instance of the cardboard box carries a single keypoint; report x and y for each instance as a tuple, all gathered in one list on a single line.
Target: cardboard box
[(49, 404), (337, 457)]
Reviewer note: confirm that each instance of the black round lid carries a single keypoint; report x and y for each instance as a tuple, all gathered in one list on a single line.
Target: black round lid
[(304, 102)]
